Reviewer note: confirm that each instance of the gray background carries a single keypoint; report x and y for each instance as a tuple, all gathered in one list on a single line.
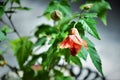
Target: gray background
[(108, 47)]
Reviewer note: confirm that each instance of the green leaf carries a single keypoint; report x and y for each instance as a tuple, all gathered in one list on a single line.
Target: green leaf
[(94, 56), (45, 29), (41, 41), (90, 15), (68, 78), (66, 53), (2, 8), (89, 26), (52, 58), (92, 1), (2, 52), (75, 0), (35, 58), (59, 37), (58, 73), (22, 48), (2, 36), (83, 53), (65, 8), (101, 7), (76, 60), (103, 17), (64, 25), (63, 77), (20, 8), (60, 76), (5, 29)]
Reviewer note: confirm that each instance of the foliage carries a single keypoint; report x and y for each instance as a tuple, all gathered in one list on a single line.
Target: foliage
[(45, 34)]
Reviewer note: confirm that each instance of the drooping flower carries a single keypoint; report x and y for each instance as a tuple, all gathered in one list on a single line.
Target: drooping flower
[(73, 42), (36, 67)]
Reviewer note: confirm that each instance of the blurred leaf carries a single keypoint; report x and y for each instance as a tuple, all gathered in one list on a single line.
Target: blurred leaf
[(1, 52), (101, 7), (2, 8), (42, 75), (76, 60), (41, 41), (75, 0), (68, 78), (103, 17), (66, 53), (22, 48), (2, 36), (20, 8), (92, 1), (64, 24), (58, 73), (51, 58), (5, 29), (63, 78), (94, 56), (59, 78), (28, 74), (65, 8), (59, 37), (83, 53), (89, 26), (35, 58), (45, 29), (53, 53), (90, 15)]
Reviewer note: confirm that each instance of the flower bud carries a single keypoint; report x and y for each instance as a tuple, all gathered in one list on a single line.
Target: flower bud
[(56, 15), (2, 61), (87, 6)]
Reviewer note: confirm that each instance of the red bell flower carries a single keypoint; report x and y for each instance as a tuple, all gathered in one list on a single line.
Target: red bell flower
[(73, 42), (36, 67)]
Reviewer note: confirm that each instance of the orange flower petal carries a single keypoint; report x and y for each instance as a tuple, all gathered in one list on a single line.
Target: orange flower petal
[(73, 42), (65, 43), (36, 67), (75, 48), (75, 39)]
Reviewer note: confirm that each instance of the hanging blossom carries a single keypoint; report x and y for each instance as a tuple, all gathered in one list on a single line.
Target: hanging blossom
[(37, 67), (73, 42)]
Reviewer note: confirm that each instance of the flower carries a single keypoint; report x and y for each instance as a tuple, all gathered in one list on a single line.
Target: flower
[(73, 42), (36, 67)]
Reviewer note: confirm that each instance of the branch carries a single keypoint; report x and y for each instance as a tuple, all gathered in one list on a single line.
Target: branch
[(11, 22), (2, 21)]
